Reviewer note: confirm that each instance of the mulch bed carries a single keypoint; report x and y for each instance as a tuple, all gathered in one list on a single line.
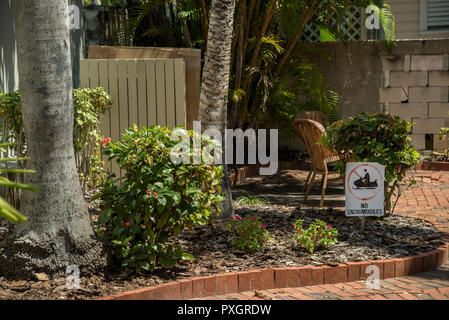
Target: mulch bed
[(387, 238)]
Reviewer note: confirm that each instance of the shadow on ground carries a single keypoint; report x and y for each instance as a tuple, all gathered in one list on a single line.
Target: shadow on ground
[(286, 188)]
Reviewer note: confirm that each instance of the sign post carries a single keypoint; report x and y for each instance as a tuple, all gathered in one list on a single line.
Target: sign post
[(364, 190)]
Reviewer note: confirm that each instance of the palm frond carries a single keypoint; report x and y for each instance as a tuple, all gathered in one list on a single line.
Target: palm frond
[(10, 213), (193, 15), (326, 35), (387, 22), (128, 29), (237, 95), (270, 49)]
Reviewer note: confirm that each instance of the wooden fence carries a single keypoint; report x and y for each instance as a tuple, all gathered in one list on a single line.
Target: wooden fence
[(145, 92)]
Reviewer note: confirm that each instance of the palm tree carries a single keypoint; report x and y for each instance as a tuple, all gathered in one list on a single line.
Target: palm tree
[(215, 81), (58, 232)]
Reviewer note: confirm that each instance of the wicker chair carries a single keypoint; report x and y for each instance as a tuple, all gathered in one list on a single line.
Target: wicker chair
[(313, 115), (310, 132)]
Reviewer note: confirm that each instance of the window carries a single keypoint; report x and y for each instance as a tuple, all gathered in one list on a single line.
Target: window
[(434, 16)]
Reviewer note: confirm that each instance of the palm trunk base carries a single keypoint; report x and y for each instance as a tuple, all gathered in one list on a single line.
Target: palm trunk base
[(24, 256), (227, 209)]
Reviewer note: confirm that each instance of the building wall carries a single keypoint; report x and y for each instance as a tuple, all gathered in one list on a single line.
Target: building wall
[(411, 81), (407, 16), (9, 76)]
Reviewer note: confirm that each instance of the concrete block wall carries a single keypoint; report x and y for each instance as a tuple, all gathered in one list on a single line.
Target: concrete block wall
[(415, 87)]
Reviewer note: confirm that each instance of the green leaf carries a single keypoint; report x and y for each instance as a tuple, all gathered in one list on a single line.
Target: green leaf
[(187, 256), (105, 216)]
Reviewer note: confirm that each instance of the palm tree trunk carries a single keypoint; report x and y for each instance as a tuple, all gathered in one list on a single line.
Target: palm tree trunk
[(215, 83), (205, 18), (58, 232)]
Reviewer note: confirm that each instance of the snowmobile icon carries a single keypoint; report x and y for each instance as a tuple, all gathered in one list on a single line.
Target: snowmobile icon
[(365, 183)]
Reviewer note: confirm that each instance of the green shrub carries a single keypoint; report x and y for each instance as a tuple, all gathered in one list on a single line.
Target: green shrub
[(157, 198), (301, 88), (89, 106), (318, 235), (375, 137), (248, 234)]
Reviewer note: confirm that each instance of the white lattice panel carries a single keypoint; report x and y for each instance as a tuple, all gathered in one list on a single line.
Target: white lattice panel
[(353, 28)]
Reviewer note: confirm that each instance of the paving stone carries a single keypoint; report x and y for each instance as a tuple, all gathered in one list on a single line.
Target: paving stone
[(429, 285)]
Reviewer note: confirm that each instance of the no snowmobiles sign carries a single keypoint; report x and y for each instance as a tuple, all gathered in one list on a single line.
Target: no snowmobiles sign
[(364, 189)]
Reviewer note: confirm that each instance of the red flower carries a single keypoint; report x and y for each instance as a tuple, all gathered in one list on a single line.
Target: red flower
[(237, 217), (329, 227), (105, 142), (264, 226), (149, 192), (330, 236), (254, 218), (154, 194), (231, 218), (127, 224), (245, 219)]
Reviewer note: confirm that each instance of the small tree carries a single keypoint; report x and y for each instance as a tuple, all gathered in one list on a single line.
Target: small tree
[(376, 137)]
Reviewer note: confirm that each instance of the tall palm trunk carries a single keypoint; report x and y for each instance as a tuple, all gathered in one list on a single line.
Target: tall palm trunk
[(215, 83), (58, 232)]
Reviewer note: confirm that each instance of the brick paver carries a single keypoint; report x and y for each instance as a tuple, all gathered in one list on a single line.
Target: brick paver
[(428, 199)]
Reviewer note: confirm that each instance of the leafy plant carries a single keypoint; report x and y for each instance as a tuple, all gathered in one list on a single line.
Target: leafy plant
[(301, 88), (156, 200), (318, 235), (252, 201), (249, 234), (89, 106), (376, 137), (7, 211)]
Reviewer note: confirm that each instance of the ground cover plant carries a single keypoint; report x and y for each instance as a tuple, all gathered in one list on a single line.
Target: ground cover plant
[(318, 235), (249, 234)]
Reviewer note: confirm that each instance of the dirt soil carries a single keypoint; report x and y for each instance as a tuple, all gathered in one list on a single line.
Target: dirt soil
[(211, 245)]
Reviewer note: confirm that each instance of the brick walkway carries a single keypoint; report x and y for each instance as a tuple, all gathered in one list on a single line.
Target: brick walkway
[(428, 199)]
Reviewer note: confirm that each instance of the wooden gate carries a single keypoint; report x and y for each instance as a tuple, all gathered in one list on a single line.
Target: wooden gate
[(145, 92)]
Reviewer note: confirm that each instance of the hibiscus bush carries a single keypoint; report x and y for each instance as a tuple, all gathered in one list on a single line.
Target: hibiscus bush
[(249, 234), (145, 211)]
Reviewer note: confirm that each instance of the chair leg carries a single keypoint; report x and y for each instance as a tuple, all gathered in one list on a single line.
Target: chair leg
[(323, 190), (309, 187), (307, 181)]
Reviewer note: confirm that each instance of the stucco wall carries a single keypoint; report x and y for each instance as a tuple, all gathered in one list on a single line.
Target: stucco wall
[(409, 81)]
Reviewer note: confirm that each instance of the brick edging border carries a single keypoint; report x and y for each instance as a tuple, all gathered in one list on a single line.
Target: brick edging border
[(288, 277), (433, 166)]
